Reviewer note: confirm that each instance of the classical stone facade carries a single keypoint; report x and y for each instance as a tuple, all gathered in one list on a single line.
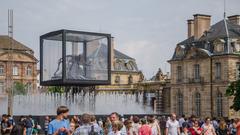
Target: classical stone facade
[(203, 65), (19, 64)]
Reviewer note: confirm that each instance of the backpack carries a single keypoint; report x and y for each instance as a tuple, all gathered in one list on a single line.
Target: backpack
[(92, 132)]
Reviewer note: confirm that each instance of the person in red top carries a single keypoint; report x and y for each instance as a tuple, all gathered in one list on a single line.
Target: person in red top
[(196, 129), (238, 126), (144, 129)]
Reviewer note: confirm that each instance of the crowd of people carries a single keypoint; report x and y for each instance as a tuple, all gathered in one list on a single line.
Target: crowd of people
[(88, 124)]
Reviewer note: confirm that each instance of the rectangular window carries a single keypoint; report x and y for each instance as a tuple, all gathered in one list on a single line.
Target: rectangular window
[(218, 71), (1, 70), (179, 73), (196, 71), (29, 71), (15, 70), (1, 87)]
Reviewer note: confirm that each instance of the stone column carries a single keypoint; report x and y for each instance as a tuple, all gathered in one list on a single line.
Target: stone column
[(159, 106)]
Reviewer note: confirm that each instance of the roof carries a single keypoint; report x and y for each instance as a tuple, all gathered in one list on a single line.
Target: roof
[(5, 42), (187, 41), (120, 55), (223, 29), (218, 30), (117, 54)]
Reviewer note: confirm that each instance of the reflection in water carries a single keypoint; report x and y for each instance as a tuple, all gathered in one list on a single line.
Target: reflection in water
[(102, 102)]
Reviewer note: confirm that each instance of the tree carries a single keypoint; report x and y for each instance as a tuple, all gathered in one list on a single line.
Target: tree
[(19, 89), (55, 89), (234, 90)]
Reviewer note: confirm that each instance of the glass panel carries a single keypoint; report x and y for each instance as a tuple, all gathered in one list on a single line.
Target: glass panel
[(218, 71), (180, 104), (52, 59), (196, 71), (198, 104), (15, 70), (179, 73), (86, 57)]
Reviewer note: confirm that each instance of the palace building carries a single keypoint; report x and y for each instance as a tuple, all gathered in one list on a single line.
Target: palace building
[(18, 64), (203, 65)]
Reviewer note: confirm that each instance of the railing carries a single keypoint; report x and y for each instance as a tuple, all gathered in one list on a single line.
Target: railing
[(195, 80)]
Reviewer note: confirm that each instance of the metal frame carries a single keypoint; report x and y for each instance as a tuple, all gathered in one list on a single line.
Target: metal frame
[(69, 82)]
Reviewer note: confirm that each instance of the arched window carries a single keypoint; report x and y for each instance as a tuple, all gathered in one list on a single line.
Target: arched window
[(219, 104), (198, 104), (29, 71), (1, 70), (180, 104), (15, 70)]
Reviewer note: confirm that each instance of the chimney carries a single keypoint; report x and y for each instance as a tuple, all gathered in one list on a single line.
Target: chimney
[(201, 24), (235, 19), (190, 24)]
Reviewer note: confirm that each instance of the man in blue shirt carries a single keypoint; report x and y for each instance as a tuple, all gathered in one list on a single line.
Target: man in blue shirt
[(60, 126)]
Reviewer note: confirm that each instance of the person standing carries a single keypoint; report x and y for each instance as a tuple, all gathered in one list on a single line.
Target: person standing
[(136, 125), (196, 129), (6, 126), (163, 122), (46, 123), (85, 128), (154, 125), (181, 121), (237, 126), (129, 126), (95, 128), (172, 126), (222, 128), (72, 127), (29, 125), (18, 129), (60, 126), (115, 117), (145, 129), (208, 128), (116, 128)]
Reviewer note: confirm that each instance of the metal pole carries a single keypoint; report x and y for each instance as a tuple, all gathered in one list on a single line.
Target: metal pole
[(10, 63)]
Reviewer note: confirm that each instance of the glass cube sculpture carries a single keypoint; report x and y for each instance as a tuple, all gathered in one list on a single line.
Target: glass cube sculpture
[(75, 58)]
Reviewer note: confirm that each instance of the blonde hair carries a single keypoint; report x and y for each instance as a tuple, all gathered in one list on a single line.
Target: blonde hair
[(117, 124), (222, 124)]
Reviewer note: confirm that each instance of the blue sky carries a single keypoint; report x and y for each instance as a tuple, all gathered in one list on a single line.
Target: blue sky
[(147, 30)]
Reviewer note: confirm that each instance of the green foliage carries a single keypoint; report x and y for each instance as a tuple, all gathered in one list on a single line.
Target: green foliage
[(19, 89), (234, 90), (55, 89)]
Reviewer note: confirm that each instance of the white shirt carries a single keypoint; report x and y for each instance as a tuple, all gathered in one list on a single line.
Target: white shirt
[(181, 121), (172, 127), (117, 133)]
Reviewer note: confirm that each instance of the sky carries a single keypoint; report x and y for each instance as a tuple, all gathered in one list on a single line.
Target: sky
[(147, 30)]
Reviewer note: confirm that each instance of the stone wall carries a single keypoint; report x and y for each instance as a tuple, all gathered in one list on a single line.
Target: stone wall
[(188, 87)]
